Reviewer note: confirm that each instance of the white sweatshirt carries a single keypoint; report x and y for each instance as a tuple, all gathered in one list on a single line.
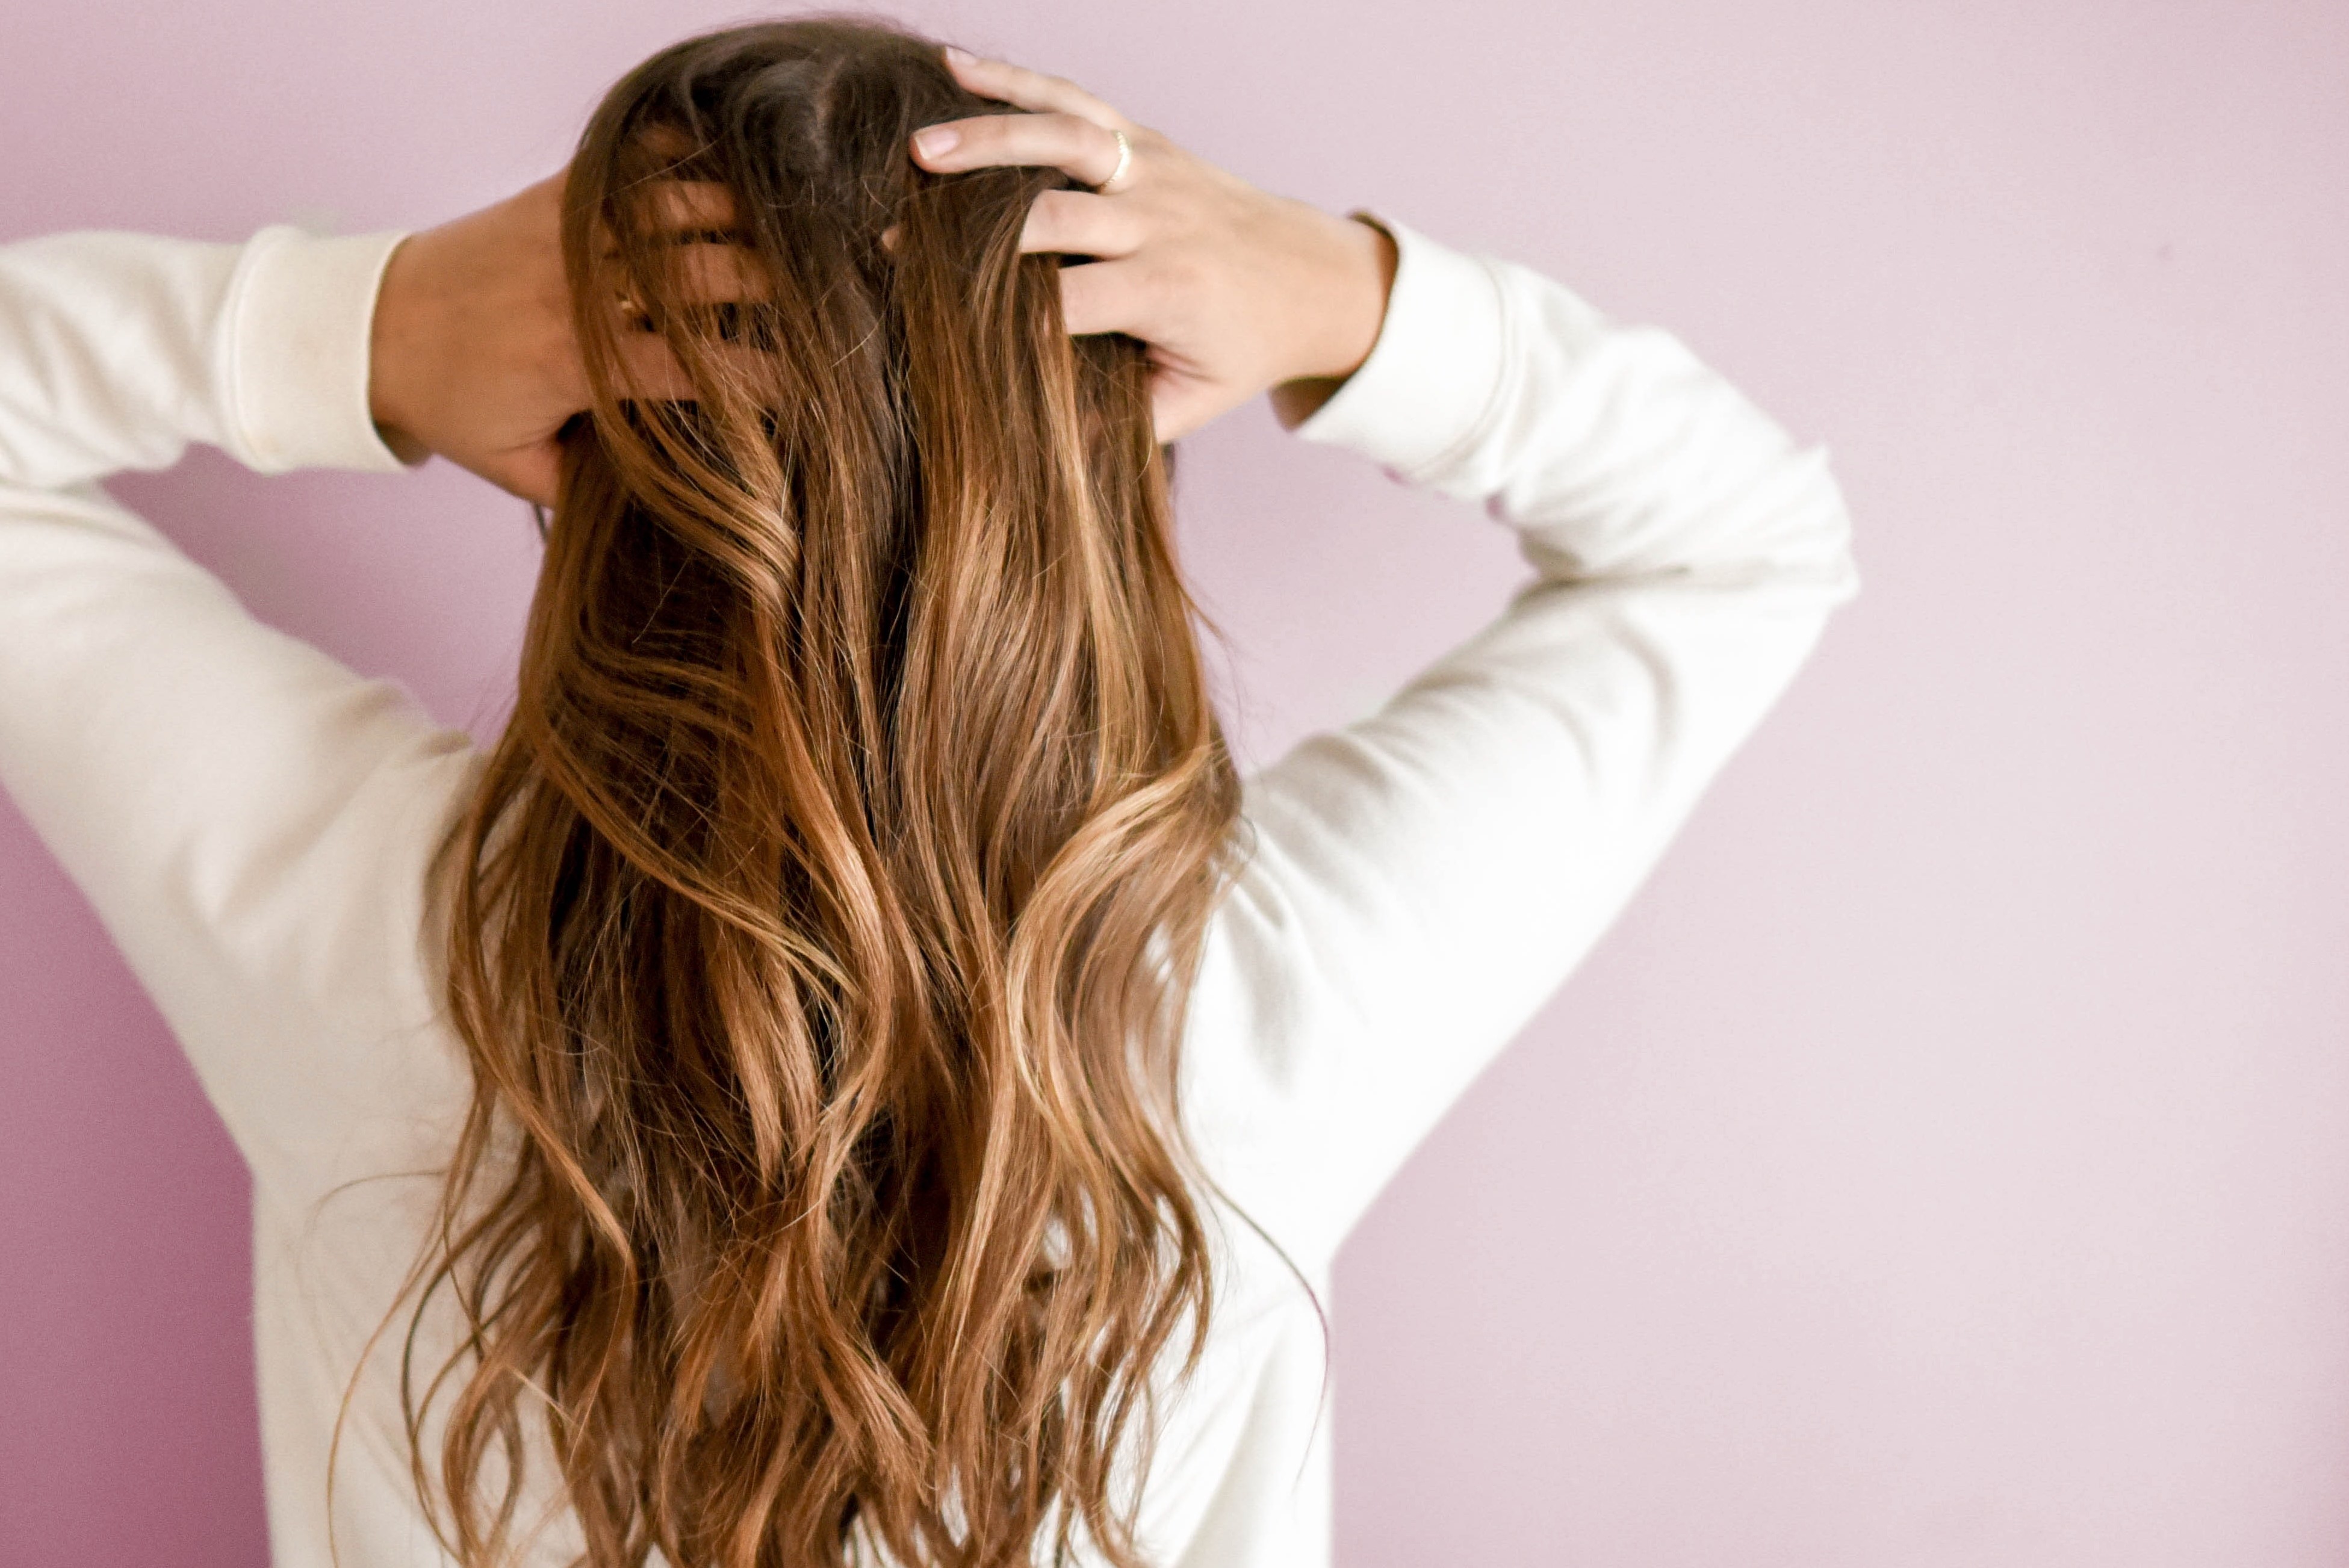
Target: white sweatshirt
[(251, 819)]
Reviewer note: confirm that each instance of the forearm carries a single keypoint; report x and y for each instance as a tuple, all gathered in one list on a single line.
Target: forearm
[(1610, 448), (1423, 878), (118, 350)]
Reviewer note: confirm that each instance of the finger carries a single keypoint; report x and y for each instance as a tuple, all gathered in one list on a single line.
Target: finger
[(1079, 224), (683, 212), (1177, 408), (1105, 296), (717, 274), (1077, 147), (687, 208), (1033, 91), (708, 275)]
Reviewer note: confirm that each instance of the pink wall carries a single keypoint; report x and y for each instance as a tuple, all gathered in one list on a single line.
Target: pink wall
[(1946, 1163)]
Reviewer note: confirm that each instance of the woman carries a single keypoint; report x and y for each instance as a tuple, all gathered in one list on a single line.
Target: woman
[(852, 1074)]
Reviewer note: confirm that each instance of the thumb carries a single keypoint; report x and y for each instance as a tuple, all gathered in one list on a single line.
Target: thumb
[(1180, 404), (534, 472)]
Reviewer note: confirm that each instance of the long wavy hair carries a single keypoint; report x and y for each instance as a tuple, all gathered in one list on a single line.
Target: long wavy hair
[(820, 930)]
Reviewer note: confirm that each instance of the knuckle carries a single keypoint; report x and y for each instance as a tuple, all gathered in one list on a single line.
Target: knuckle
[(1132, 229), (1181, 273), (1081, 301), (1156, 288), (1050, 219)]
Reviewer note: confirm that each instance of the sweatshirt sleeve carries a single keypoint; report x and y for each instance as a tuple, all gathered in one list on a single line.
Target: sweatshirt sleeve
[(1420, 882), (245, 814)]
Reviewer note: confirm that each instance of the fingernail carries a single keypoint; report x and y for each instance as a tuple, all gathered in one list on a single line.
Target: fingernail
[(959, 56), (937, 141)]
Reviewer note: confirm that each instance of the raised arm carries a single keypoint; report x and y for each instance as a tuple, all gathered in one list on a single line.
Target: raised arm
[(235, 803), (1422, 881), (117, 351)]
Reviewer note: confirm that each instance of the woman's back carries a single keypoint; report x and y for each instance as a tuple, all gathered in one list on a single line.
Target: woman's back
[(257, 825)]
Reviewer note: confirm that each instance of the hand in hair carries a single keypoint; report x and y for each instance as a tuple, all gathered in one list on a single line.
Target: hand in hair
[(1235, 290), (474, 355)]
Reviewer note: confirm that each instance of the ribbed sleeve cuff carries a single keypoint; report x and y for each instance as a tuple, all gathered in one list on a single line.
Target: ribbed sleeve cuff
[(1433, 376), (298, 323)]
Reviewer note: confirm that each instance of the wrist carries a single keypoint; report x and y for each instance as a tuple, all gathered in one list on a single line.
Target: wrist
[(392, 344), (1355, 279), (1352, 283)]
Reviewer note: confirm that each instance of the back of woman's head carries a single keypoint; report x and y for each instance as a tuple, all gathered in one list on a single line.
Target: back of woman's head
[(820, 930)]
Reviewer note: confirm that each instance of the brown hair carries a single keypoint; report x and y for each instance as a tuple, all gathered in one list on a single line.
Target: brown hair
[(820, 931)]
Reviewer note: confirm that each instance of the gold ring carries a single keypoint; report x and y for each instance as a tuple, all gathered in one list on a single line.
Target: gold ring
[(1124, 157)]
